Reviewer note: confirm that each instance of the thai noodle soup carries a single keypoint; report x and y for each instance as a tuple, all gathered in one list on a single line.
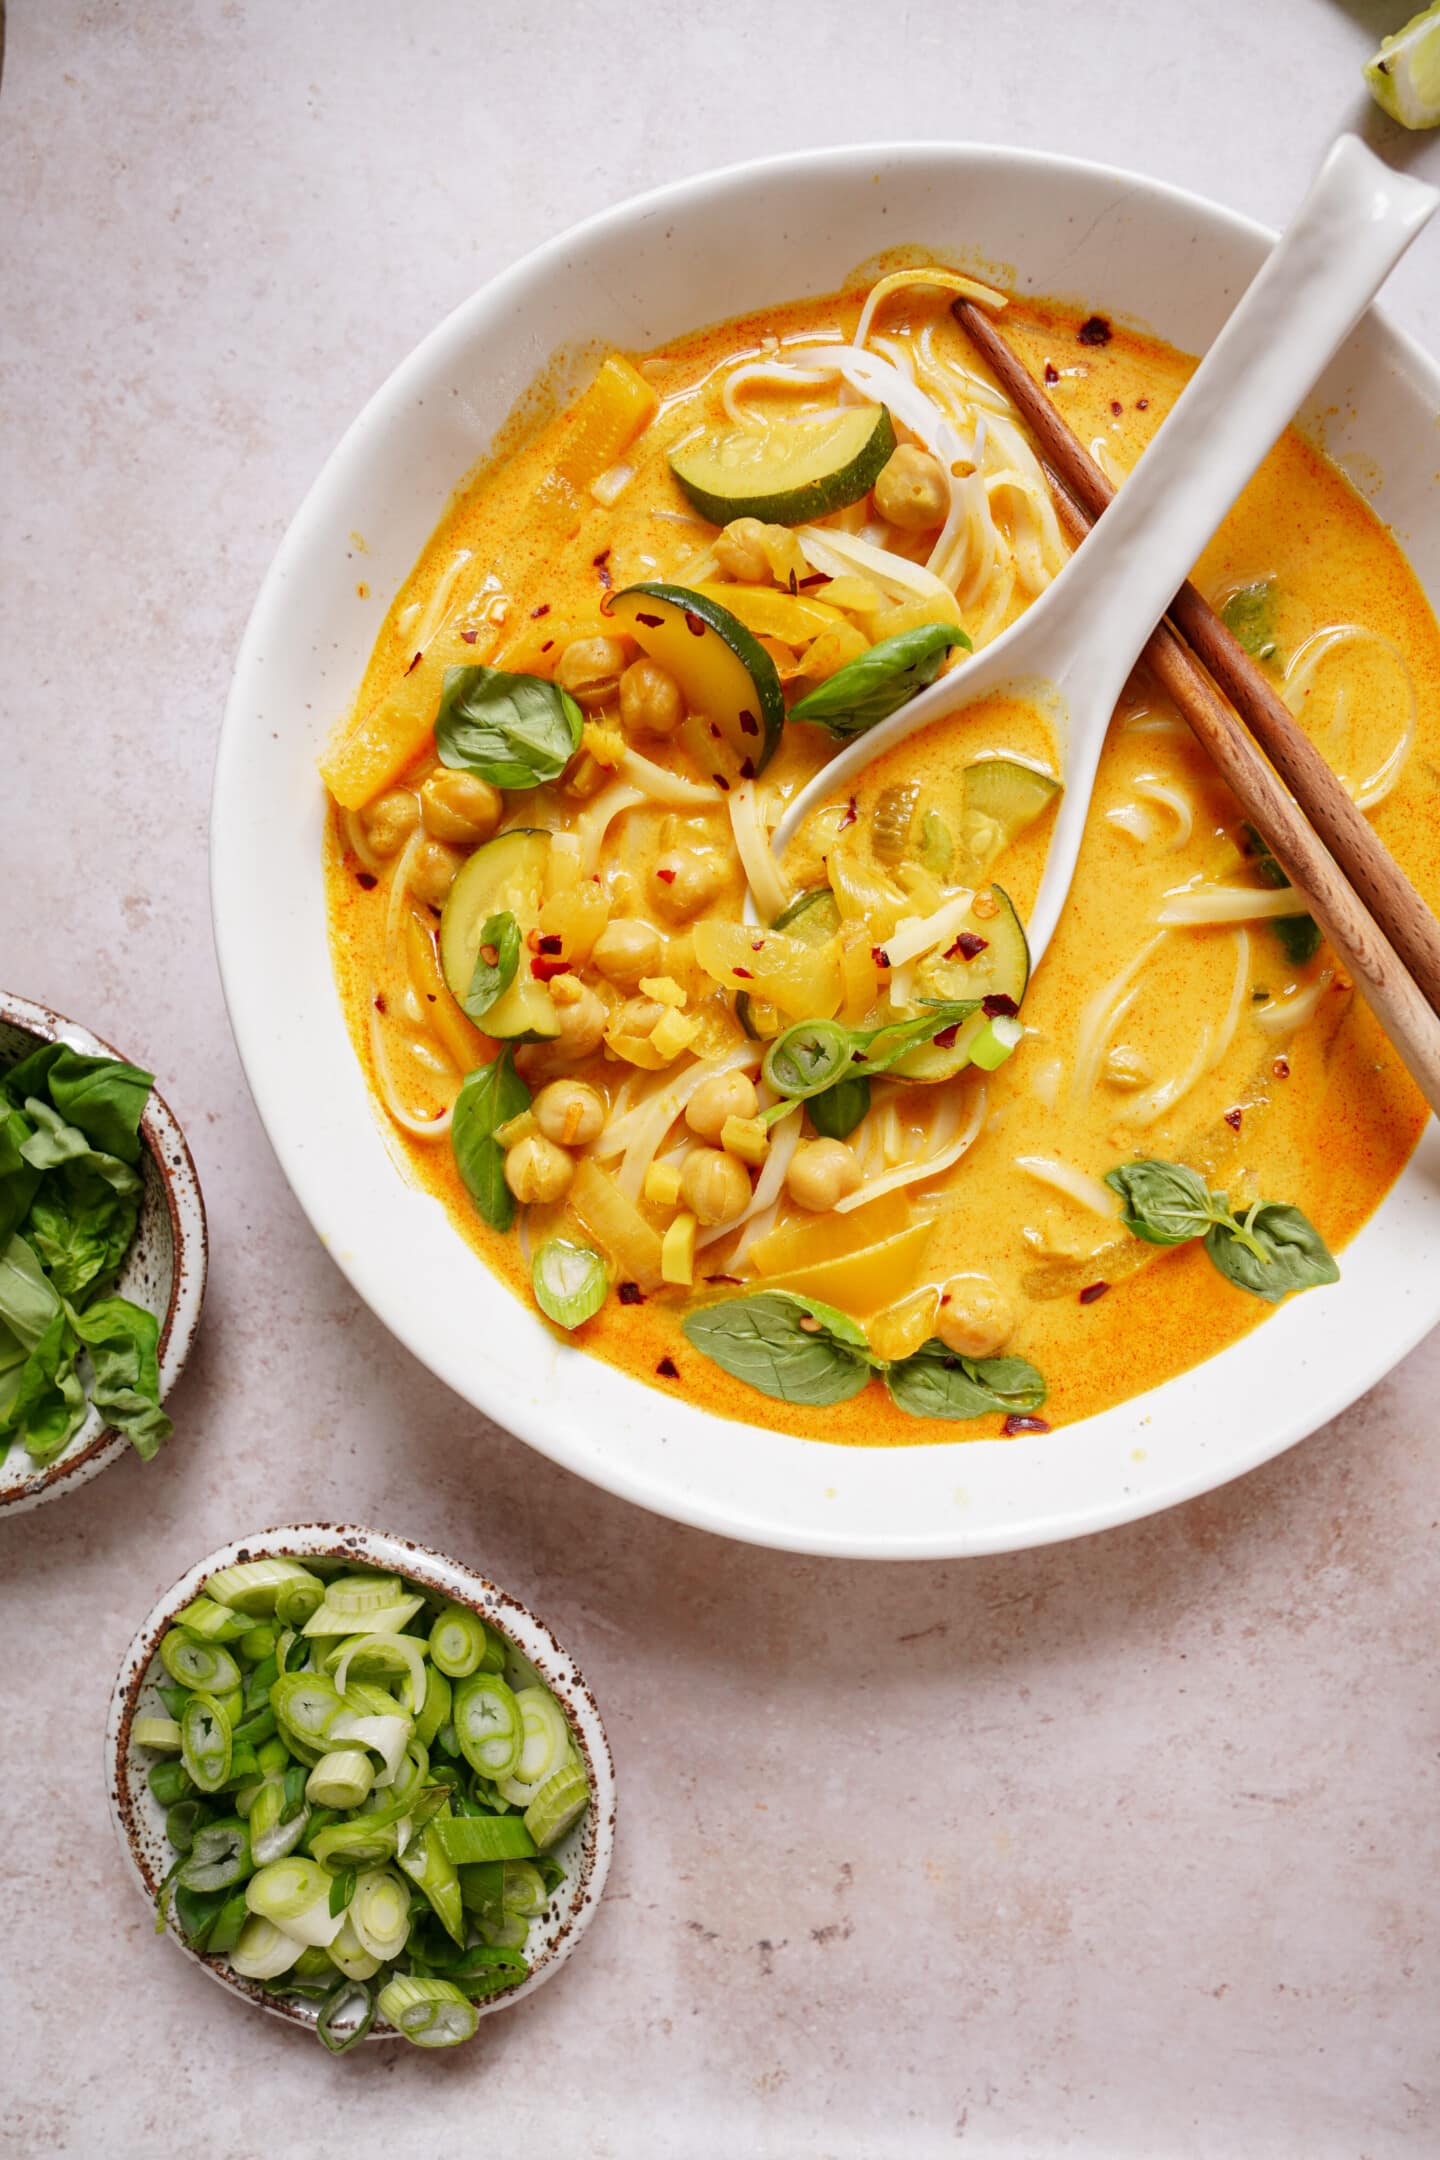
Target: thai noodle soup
[(795, 1134)]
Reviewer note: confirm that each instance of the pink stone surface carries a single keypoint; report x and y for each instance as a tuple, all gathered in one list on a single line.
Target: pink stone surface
[(1122, 1848)]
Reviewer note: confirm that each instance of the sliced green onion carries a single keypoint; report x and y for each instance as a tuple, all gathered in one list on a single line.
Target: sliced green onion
[(350, 1955), (558, 1805), (546, 1741), (294, 1893), (340, 1779), (431, 1869), (379, 1913), (183, 1820), (212, 1622), (432, 2013), (257, 1646), (367, 1655), (161, 1733), (457, 1642), (470, 1838), (307, 1705), (358, 1843), (346, 2016), (995, 1042), (253, 1586), (525, 1892), (570, 1282), (435, 1710), (219, 1857), (170, 1781), (205, 1743), (262, 1951), (488, 1725), (228, 1925), (193, 1663)]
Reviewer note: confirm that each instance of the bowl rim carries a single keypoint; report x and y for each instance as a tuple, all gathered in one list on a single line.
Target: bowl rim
[(523, 1627), (564, 1436), (169, 1151)]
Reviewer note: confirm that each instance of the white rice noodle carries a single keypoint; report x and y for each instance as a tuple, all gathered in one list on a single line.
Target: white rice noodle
[(679, 517), (1191, 906), (1299, 681), (1283, 1015), (785, 1138), (926, 1166), (662, 785), (428, 1128), (949, 379), (1106, 459), (399, 884), (1102, 1013), (768, 883), (1155, 788), (917, 934), (1029, 501), (1145, 722), (1045, 1081), (896, 351), (1077, 1185), (945, 280), (612, 484), (1134, 819), (1235, 1005), (630, 1123), (352, 825), (439, 601), (776, 375), (839, 554), (1211, 1048), (593, 824)]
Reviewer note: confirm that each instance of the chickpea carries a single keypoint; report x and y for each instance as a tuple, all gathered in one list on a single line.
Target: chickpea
[(638, 1016), (626, 950), (569, 1112), (723, 1095), (432, 871), (740, 551), (460, 807), (683, 882), (714, 1187), (390, 820), (590, 669), (912, 490), (650, 700), (582, 1026), (820, 1173), (976, 1318), (535, 1169)]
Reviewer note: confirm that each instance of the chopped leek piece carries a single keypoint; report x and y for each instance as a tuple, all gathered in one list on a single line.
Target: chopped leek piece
[(278, 1818), (525, 1891), (169, 1782), (194, 1663), (161, 1733), (558, 1805), (254, 1586), (432, 2013), (488, 1725), (431, 1869), (469, 1838), (347, 1952), (212, 1622), (457, 1642), (570, 1282), (219, 1857), (205, 1745), (182, 1821), (435, 1710), (262, 1951), (340, 1779), (368, 1655), (295, 1894), (347, 2015), (257, 1645), (379, 1913)]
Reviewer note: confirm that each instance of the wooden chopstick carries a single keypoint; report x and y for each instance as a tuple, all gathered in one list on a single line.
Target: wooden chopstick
[(1397, 997), (1371, 870)]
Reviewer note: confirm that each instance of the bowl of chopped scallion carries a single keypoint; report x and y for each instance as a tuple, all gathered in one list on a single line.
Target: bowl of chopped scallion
[(102, 1256), (360, 1785)]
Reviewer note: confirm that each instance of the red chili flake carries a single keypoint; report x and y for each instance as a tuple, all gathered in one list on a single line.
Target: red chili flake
[(757, 944), (366, 880), (998, 1005), (722, 1278), (1093, 331), (430, 997), (605, 578), (668, 1369), (714, 729), (879, 955), (413, 664), (651, 622), (1116, 407), (1232, 1119), (666, 877), (489, 954), (1092, 1291), (816, 577), (551, 944), (1281, 1068), (945, 1040), (749, 725), (1142, 404), (549, 645), (1052, 374), (379, 1002), (1014, 1425), (631, 1294), (468, 637), (694, 623), (601, 559), (851, 813), (721, 782), (968, 946), (747, 768), (745, 974), (537, 612), (547, 970)]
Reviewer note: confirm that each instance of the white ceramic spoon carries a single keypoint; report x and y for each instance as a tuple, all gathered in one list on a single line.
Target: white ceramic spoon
[(1075, 647)]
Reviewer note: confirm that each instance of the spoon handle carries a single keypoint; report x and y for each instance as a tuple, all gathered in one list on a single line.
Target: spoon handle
[(1353, 226)]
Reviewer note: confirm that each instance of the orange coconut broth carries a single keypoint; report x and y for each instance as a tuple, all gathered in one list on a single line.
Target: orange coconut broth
[(1282, 1086)]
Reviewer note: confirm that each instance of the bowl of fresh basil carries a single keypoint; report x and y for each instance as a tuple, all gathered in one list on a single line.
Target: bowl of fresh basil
[(102, 1256)]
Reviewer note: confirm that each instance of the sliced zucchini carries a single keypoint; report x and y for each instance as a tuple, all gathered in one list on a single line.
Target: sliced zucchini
[(1002, 969), (1001, 797), (814, 918), (787, 472), (505, 876), (722, 671)]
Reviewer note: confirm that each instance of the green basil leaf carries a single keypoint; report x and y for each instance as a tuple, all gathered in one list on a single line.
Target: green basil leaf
[(80, 1226), (123, 1341), (493, 977), (837, 1111), (1249, 616), (103, 1096), (794, 1349), (935, 1383), (869, 689), (516, 731), (1164, 1203), (1296, 1256), (489, 1098)]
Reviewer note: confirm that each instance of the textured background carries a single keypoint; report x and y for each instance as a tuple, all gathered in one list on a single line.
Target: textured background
[(1125, 1848)]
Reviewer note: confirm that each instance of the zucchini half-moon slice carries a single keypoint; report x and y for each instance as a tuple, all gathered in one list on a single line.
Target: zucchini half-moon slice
[(787, 472), (723, 672)]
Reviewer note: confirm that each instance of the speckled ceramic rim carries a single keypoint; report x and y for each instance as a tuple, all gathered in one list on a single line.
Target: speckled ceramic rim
[(140, 1820), (649, 270), (93, 1450)]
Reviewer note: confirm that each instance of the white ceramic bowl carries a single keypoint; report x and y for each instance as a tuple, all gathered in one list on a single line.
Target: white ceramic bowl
[(164, 1269), (633, 277), (584, 1853)]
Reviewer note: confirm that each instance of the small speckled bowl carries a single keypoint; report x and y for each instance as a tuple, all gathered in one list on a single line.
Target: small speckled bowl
[(164, 1269), (534, 1654)]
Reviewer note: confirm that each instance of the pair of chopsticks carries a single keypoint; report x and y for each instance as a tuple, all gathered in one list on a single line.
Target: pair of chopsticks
[(1366, 906)]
